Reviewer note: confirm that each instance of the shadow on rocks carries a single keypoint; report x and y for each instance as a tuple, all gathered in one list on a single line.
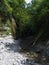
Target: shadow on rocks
[(15, 46)]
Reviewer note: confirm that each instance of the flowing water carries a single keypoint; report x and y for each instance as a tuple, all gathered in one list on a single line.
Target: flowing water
[(10, 53)]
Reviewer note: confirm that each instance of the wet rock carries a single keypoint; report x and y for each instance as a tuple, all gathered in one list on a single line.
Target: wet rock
[(31, 62), (23, 62)]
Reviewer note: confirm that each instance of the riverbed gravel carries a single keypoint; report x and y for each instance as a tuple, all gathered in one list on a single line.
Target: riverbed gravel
[(9, 52)]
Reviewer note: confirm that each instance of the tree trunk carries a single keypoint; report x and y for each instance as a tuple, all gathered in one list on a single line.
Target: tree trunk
[(13, 27), (38, 36)]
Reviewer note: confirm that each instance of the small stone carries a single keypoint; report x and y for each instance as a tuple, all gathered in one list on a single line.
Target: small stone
[(23, 62), (1, 42)]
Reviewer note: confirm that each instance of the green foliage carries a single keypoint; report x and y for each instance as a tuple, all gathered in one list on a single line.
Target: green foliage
[(29, 18)]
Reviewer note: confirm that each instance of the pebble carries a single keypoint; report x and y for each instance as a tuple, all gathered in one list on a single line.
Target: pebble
[(9, 57)]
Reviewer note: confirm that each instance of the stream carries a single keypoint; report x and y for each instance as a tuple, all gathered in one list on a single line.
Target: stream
[(10, 53)]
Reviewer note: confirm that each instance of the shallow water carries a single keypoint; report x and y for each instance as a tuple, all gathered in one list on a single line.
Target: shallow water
[(10, 53)]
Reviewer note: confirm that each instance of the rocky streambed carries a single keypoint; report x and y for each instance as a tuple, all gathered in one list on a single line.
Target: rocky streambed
[(10, 53)]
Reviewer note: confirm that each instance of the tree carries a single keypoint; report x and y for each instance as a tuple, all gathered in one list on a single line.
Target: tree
[(15, 12), (40, 13)]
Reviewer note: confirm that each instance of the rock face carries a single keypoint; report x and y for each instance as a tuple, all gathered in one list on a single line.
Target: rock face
[(10, 55)]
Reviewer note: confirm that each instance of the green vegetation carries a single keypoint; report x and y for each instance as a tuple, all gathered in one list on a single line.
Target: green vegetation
[(26, 19)]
